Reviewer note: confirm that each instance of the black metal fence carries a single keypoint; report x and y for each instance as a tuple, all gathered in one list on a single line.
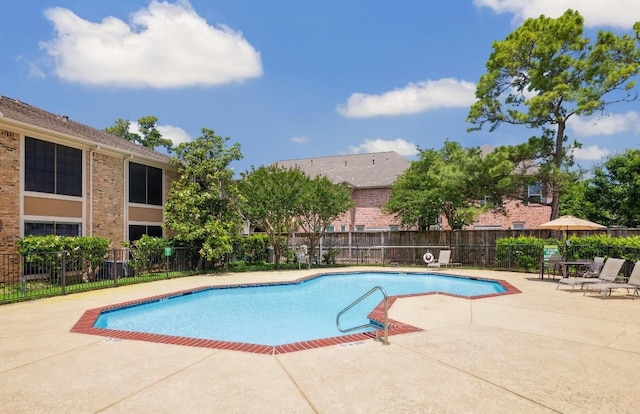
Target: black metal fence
[(59, 273)]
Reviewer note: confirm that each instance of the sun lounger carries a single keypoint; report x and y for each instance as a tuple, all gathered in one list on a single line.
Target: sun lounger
[(633, 283), (443, 259), (608, 274), (594, 269)]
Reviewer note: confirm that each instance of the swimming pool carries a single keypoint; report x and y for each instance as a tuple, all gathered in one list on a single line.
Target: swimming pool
[(278, 314)]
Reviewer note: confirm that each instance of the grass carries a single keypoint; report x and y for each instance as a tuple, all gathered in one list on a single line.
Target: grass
[(45, 288)]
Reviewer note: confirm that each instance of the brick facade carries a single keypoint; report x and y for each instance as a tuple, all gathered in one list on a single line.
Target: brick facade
[(367, 211), (102, 208), (371, 175), (519, 215), (9, 190), (108, 198)]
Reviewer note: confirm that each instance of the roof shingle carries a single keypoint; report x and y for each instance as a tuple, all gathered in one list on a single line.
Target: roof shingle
[(373, 170), (24, 113)]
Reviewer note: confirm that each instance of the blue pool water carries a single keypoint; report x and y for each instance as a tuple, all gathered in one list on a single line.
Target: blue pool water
[(280, 314)]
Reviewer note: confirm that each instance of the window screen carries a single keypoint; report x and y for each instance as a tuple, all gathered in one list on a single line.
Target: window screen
[(52, 168), (145, 184)]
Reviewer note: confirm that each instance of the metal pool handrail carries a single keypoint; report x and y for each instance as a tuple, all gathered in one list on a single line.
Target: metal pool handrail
[(385, 339)]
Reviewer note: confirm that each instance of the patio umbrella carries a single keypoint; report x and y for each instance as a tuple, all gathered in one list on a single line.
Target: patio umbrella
[(566, 223), (570, 223)]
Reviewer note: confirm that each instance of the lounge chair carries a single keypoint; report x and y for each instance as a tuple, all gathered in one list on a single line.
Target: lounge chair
[(443, 259), (595, 268), (608, 274), (632, 283)]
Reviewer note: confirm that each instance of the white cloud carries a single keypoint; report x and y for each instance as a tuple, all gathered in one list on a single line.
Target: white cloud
[(613, 13), (606, 125), (300, 139), (402, 147), (413, 98), (176, 134), (590, 153), (164, 46)]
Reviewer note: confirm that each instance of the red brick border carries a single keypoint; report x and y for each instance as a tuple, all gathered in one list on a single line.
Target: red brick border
[(85, 324)]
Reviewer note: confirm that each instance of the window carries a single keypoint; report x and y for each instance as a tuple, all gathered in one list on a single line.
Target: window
[(40, 228), (330, 229), (343, 228), (535, 194), (145, 184), (359, 228), (518, 225), (393, 228), (137, 231), (52, 168), (486, 200)]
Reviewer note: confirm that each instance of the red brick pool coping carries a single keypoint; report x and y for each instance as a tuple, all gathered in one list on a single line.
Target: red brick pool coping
[(85, 324)]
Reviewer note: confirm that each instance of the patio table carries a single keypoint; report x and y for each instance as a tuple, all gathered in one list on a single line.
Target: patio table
[(566, 263)]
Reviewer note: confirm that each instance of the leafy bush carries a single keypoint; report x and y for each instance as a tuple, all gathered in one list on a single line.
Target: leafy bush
[(148, 252), (521, 252), (605, 246), (526, 252), (44, 253), (329, 257), (251, 249)]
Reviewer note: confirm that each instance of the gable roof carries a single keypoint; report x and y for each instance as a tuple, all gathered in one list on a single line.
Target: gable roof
[(373, 170), (21, 114)]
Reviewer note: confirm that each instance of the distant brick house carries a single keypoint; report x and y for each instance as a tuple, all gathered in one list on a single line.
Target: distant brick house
[(370, 177), (58, 176)]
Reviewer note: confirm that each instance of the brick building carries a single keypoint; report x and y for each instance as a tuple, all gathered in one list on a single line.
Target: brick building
[(370, 177), (58, 176)]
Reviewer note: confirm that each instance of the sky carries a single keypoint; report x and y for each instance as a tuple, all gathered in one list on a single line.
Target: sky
[(288, 79)]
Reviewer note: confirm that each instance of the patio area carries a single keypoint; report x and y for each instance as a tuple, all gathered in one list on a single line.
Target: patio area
[(540, 351)]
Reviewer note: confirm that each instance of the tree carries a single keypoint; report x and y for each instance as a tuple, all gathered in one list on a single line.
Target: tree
[(321, 202), (545, 72), (573, 200), (272, 201), (614, 190), (203, 203), (450, 182), (150, 138)]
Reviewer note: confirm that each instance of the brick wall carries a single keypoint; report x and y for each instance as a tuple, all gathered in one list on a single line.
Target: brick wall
[(9, 190), (108, 198), (367, 211), (531, 215)]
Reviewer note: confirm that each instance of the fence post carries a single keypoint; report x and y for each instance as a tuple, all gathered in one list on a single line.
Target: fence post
[(114, 266), (63, 280)]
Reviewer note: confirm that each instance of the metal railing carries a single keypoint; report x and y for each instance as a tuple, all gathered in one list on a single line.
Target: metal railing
[(385, 323), (59, 273)]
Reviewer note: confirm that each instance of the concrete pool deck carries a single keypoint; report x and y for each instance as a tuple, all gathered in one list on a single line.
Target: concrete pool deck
[(540, 351)]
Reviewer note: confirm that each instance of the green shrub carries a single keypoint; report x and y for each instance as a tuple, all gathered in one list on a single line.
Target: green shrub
[(44, 253), (520, 252), (329, 257), (251, 249), (605, 246), (147, 252)]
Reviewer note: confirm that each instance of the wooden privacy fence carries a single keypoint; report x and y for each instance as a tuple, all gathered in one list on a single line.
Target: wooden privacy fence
[(469, 247)]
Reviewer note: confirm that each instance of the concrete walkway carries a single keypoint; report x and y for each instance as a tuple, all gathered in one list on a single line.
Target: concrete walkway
[(541, 351)]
